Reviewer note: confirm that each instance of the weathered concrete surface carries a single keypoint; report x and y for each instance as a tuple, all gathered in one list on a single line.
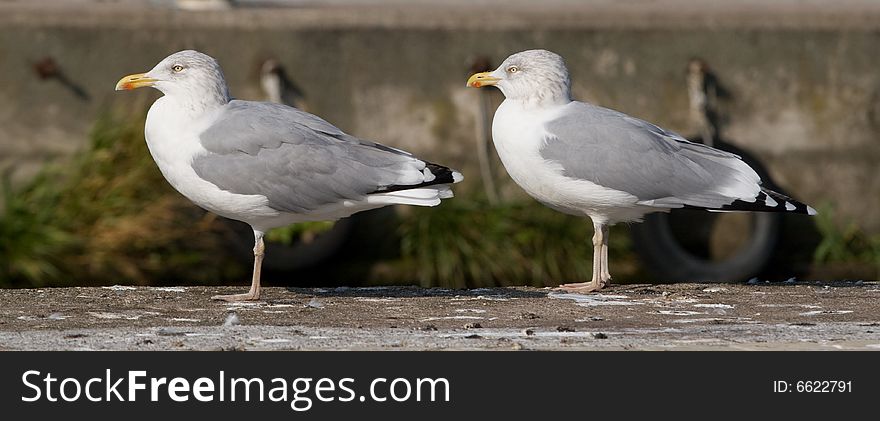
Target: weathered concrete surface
[(803, 74), (830, 316)]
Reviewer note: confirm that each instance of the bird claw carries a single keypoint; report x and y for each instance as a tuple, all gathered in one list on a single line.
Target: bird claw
[(237, 297), (583, 287)]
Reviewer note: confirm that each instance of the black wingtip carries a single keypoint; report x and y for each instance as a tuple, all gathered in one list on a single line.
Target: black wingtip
[(442, 175), (769, 201)]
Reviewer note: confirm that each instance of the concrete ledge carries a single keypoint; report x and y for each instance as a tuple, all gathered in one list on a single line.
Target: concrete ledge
[(481, 14), (840, 315)]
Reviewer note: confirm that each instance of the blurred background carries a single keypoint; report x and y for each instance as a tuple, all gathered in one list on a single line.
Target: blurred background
[(792, 86)]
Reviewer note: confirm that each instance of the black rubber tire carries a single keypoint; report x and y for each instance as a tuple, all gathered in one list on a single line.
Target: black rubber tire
[(298, 255), (655, 242), (302, 255)]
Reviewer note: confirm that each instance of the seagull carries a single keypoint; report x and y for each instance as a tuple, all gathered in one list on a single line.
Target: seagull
[(278, 87), (586, 160), (269, 165)]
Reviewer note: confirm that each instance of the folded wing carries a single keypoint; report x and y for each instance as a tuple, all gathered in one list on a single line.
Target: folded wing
[(301, 162), (658, 167)]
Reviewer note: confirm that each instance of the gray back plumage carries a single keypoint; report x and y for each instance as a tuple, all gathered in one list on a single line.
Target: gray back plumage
[(297, 160), (659, 167)]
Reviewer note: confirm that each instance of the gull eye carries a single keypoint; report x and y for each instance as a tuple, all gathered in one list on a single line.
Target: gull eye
[(512, 69), (177, 68)]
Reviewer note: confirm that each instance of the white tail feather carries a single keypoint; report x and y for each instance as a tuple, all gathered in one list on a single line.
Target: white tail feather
[(428, 196)]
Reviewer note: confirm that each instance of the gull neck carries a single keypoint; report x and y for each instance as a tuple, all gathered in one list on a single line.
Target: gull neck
[(194, 106), (539, 102)]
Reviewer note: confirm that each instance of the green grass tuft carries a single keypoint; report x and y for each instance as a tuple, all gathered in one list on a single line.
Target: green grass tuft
[(304, 231), (846, 243), (107, 215), (472, 244)]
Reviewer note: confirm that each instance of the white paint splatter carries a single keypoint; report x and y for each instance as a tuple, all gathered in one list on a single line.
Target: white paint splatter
[(376, 300), (493, 298), (231, 320), (703, 320), (53, 316), (696, 341), (452, 318), (482, 297), (680, 300), (112, 316), (241, 304), (469, 310), (120, 288), (789, 305), (817, 312), (678, 312), (713, 305), (594, 299), (717, 320), (171, 289), (715, 289)]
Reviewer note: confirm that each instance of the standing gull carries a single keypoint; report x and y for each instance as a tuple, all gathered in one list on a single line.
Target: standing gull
[(269, 165), (585, 160)]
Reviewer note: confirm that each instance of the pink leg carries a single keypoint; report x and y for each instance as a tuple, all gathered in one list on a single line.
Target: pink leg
[(254, 293), (601, 275)]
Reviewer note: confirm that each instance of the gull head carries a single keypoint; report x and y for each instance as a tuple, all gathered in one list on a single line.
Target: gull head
[(186, 75), (538, 76)]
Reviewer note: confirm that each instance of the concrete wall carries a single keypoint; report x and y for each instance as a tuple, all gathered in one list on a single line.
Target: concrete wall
[(806, 97)]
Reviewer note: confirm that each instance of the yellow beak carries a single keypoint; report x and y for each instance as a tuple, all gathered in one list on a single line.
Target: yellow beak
[(480, 80), (134, 81)]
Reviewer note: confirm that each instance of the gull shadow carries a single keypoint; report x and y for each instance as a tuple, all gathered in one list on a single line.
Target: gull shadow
[(842, 283), (411, 291)]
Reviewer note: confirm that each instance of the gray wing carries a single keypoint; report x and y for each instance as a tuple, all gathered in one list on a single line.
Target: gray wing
[(299, 161), (659, 167)]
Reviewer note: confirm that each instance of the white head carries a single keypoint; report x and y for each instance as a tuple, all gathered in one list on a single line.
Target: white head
[(189, 76), (534, 76)]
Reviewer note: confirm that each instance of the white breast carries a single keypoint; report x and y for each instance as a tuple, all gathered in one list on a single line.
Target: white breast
[(172, 139), (518, 135)]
